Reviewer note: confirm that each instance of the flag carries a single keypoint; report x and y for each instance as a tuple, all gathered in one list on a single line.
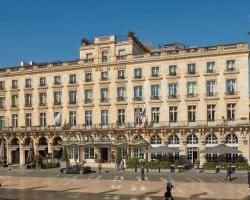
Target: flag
[(57, 119), (137, 115), (142, 115)]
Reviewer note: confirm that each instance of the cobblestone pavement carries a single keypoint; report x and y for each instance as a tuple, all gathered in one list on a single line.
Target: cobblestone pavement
[(49, 184)]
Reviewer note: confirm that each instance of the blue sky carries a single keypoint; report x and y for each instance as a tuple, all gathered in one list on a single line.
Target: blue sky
[(46, 30)]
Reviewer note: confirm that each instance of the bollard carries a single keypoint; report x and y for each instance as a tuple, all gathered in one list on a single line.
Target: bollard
[(159, 169)]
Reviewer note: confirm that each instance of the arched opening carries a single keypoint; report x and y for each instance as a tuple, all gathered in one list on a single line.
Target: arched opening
[(57, 147), (138, 148), (231, 140), (43, 147), (28, 150), (104, 147), (211, 140), (74, 150)]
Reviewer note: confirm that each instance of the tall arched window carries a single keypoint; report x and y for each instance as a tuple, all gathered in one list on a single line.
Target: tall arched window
[(231, 139), (14, 141), (155, 139), (42, 141), (173, 139), (192, 139), (27, 141), (57, 141), (211, 139)]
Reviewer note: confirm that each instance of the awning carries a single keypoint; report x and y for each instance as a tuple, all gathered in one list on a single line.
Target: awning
[(221, 149), (162, 149)]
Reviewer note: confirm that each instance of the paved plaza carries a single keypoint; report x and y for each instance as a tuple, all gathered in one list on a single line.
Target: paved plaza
[(40, 184)]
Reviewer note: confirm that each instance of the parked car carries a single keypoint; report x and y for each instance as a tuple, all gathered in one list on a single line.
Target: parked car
[(76, 170)]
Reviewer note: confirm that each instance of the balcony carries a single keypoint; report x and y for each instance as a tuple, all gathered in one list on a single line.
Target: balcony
[(138, 100), (121, 57), (210, 72), (173, 75), (155, 77), (28, 106), (104, 100), (14, 87), (173, 97), (138, 78), (121, 100), (88, 60), (231, 70), (104, 80), (192, 74), (211, 95), (232, 95), (88, 101), (192, 97)]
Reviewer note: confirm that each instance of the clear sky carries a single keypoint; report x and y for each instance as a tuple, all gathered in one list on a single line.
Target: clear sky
[(51, 30)]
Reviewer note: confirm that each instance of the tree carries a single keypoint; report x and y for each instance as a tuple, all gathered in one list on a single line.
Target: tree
[(118, 154)]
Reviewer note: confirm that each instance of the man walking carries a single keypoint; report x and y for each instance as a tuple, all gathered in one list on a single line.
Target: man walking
[(142, 174), (100, 168), (169, 187), (229, 172)]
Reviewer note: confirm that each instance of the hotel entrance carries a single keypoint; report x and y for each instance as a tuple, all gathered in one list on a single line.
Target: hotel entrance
[(192, 154), (104, 154)]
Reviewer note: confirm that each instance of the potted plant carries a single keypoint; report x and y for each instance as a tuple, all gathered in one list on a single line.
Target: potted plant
[(64, 162)]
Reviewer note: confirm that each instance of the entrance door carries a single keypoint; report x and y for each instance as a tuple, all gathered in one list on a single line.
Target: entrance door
[(15, 156), (192, 154), (104, 154)]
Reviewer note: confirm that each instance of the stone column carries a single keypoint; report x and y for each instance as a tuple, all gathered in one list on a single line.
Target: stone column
[(50, 149), (8, 154), (202, 155), (21, 154)]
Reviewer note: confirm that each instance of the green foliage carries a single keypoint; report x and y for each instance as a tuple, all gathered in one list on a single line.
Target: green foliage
[(209, 165), (65, 156), (242, 166), (132, 162), (241, 159)]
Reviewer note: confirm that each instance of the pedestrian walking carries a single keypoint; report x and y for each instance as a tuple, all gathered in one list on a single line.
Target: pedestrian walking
[(229, 172), (169, 187), (248, 177), (100, 168), (142, 174)]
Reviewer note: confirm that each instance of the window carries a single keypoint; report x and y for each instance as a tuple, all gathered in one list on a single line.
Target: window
[(28, 83), (210, 88), (191, 68), (42, 81), (155, 116), (121, 52), (89, 56), (231, 111), (121, 74), (89, 153), (57, 98), (2, 122), (231, 139), (155, 139), (120, 94), (138, 93), (191, 89), (105, 56), (28, 118), (14, 100), (42, 98), (192, 139), (43, 122), (138, 138), (72, 118), (210, 67), (211, 139), (2, 102), (57, 119), (191, 113), (14, 120), (137, 73), (173, 139), (72, 79), (173, 113), (2, 85), (155, 72), (231, 84), (104, 94), (88, 96), (88, 118), (57, 80), (28, 100), (172, 70), (172, 89), (138, 115), (121, 116), (210, 113), (72, 97), (88, 77), (155, 90), (138, 153), (230, 65), (104, 117), (14, 84), (104, 76)]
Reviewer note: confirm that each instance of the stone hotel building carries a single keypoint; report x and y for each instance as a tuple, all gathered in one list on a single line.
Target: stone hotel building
[(121, 94)]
